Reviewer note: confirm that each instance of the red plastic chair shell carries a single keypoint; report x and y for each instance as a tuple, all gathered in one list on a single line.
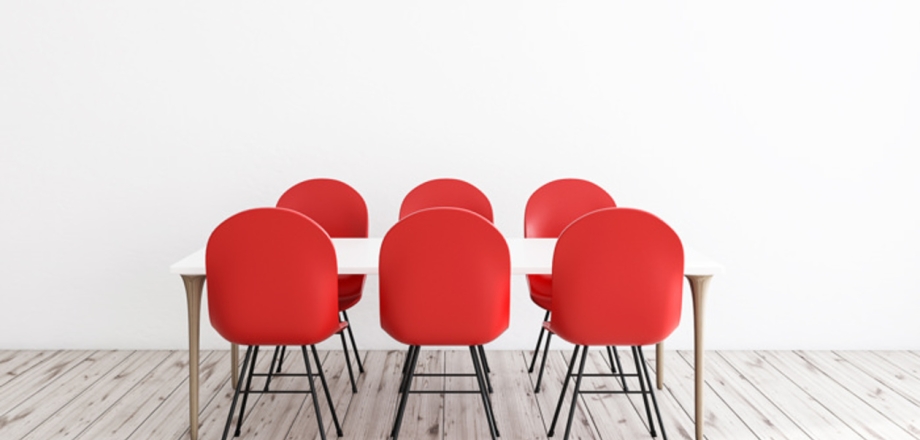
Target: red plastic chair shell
[(272, 279), (446, 193), (445, 279), (550, 209), (617, 279), (342, 212)]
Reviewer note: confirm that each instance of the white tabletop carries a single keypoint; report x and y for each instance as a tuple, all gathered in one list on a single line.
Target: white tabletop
[(528, 256)]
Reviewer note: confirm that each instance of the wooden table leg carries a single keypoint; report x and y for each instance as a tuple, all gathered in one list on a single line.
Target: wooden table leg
[(698, 286), (234, 365), (659, 364), (193, 288)]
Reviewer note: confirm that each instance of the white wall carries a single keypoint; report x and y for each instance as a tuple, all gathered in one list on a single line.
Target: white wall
[(779, 138)]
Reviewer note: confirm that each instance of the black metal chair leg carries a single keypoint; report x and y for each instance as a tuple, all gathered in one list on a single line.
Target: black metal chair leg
[(486, 403), (616, 356), (648, 380), (581, 371), (252, 369), (351, 375), (539, 340), (536, 389), (405, 395), (648, 411), (236, 393), (351, 335), (613, 365), (485, 362), (271, 369), (410, 355), (405, 367), (485, 366), (322, 378), (565, 385), (281, 358), (319, 417)]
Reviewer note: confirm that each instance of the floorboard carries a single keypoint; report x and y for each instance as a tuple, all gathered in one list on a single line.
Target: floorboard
[(747, 401), (720, 419), (65, 381), (85, 395), (867, 421), (871, 392), (14, 363), (808, 413)]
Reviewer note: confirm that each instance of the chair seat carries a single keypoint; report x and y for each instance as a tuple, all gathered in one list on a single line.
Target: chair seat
[(541, 290), (350, 287), (543, 301), (348, 302)]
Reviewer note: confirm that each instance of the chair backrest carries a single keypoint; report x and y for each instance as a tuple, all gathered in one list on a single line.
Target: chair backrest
[(453, 193), (445, 279), (272, 279), (555, 205), (335, 205), (617, 279)]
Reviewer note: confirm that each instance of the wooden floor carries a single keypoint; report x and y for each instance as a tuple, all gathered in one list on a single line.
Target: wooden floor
[(750, 395)]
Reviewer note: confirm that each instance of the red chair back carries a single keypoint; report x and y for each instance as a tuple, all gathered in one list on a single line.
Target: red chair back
[(550, 209), (335, 205), (445, 279), (446, 193), (555, 205), (272, 279), (617, 279), (342, 212)]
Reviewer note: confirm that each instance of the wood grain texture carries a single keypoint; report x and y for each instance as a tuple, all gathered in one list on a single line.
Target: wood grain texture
[(867, 421), (870, 392), (766, 395), (620, 415), (14, 363), (808, 413), (63, 385), (898, 372), (97, 399), (145, 398), (169, 421), (556, 367), (33, 380), (370, 413), (719, 418), (424, 415), (516, 411), (465, 416), (757, 411)]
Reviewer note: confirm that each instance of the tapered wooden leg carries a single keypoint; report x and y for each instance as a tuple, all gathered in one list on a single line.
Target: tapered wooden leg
[(234, 363), (659, 364), (698, 286), (193, 287)]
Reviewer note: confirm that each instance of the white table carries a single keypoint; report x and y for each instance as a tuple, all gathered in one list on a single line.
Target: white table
[(360, 256)]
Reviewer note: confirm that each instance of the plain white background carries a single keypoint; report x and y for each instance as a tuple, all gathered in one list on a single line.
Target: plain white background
[(779, 138)]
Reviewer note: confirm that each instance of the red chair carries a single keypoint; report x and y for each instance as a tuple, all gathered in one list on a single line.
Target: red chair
[(445, 279), (446, 193), (272, 281), (550, 209), (341, 211), (453, 193), (617, 280)]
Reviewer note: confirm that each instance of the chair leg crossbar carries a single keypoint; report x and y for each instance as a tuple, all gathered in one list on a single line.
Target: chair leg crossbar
[(279, 356), (480, 365), (645, 386), (248, 373), (611, 353)]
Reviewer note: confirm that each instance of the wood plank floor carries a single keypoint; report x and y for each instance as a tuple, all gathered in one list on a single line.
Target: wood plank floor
[(750, 395)]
